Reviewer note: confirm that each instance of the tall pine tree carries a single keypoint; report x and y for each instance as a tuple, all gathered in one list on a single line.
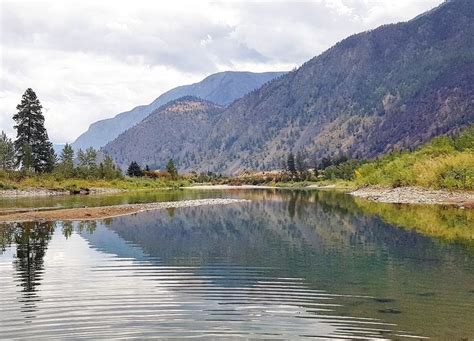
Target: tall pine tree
[(290, 163), (34, 150)]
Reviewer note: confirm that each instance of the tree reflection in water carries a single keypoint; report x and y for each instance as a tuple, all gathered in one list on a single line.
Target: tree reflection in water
[(31, 240)]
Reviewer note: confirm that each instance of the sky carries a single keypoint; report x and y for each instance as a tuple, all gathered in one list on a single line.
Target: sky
[(90, 60)]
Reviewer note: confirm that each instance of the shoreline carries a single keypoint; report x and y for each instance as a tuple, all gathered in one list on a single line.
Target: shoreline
[(415, 195), (105, 212), (43, 192), (399, 195)]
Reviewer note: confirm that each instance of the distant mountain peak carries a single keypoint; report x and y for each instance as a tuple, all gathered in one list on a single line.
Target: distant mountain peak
[(222, 88)]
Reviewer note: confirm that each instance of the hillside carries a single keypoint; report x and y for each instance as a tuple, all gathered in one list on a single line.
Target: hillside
[(221, 88), (173, 129), (388, 89)]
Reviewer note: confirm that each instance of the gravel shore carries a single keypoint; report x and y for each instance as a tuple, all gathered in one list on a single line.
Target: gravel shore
[(415, 195), (103, 212)]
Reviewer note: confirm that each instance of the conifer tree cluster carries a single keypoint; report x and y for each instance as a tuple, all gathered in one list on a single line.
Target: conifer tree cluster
[(33, 152), (135, 170), (297, 167), (88, 166)]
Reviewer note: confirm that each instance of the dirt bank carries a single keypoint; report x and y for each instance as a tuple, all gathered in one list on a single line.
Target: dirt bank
[(96, 213), (416, 195)]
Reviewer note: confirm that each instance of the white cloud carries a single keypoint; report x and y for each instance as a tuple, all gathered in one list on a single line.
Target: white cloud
[(90, 60)]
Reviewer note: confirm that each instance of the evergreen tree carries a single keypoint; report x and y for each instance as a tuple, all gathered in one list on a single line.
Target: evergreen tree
[(81, 156), (108, 169), (28, 158), (290, 163), (326, 162), (134, 169), (88, 162), (91, 159), (66, 161), (7, 152), (171, 169), (50, 158), (301, 166), (34, 150)]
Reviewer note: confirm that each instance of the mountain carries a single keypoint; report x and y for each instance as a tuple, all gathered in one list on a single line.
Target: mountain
[(391, 88), (173, 129), (221, 88), (58, 148)]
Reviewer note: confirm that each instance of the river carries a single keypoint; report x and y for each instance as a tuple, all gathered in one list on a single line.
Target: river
[(288, 264)]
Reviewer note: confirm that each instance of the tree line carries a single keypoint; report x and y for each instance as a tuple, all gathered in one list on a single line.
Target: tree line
[(135, 170), (32, 152), (340, 167)]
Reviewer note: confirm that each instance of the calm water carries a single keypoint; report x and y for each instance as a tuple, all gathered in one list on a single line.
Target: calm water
[(289, 264)]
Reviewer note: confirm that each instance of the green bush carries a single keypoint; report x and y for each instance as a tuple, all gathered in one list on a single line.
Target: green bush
[(343, 171)]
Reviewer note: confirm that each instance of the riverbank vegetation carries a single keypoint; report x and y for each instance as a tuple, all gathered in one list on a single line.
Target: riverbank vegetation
[(444, 163)]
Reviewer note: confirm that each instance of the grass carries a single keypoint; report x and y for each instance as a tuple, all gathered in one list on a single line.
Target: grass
[(16, 180), (444, 163)]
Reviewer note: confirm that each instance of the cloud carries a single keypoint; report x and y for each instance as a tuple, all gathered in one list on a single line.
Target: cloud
[(90, 60)]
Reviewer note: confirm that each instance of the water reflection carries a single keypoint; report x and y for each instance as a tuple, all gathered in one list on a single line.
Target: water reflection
[(287, 265), (31, 241)]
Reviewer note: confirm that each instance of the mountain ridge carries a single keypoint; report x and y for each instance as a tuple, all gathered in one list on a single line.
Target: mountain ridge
[(221, 88), (185, 120), (387, 89)]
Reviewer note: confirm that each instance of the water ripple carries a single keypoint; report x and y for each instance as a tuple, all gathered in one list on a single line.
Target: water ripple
[(105, 296)]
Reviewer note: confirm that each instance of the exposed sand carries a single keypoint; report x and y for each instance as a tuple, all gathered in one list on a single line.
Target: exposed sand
[(415, 195), (96, 213)]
